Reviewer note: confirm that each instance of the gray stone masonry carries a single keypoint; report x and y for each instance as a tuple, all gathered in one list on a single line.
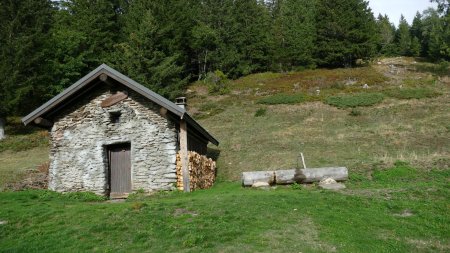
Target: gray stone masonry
[(82, 132)]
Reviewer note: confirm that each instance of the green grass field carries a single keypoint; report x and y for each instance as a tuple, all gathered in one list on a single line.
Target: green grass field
[(401, 209), (397, 150)]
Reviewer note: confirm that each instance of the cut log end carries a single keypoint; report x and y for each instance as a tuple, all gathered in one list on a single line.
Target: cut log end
[(103, 77), (43, 122)]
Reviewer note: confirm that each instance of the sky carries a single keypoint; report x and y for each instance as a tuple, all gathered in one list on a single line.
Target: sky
[(394, 8)]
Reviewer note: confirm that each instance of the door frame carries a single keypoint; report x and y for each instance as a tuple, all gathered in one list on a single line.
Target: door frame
[(108, 148)]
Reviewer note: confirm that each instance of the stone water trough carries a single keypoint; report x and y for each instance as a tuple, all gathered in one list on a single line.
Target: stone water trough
[(328, 177)]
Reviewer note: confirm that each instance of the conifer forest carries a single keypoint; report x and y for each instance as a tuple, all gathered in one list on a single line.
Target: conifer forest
[(45, 45)]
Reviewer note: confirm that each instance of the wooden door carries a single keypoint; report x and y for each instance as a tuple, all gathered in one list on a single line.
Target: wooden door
[(119, 170)]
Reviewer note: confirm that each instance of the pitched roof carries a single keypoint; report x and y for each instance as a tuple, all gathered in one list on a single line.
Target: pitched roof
[(128, 82)]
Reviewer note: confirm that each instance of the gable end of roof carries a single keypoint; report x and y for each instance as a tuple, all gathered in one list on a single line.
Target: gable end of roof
[(128, 82)]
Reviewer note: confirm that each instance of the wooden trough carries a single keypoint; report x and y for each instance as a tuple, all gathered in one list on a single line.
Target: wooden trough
[(294, 176)]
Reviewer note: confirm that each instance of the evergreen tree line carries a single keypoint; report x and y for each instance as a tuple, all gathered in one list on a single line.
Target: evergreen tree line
[(47, 45), (427, 36)]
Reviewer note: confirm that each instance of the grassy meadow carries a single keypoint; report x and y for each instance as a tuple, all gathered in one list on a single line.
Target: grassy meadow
[(400, 210), (388, 122)]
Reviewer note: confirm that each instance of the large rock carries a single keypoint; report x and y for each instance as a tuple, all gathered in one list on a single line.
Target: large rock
[(251, 177), (260, 185), (317, 174), (330, 184), (327, 180)]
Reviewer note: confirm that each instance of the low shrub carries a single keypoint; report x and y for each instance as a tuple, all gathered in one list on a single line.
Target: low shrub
[(217, 82), (443, 68), (355, 100), (283, 98), (412, 93), (260, 112), (296, 186), (355, 112)]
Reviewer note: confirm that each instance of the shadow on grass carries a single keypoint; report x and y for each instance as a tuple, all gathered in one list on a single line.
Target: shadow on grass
[(213, 153)]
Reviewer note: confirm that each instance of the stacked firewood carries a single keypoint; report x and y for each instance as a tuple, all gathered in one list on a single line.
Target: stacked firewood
[(202, 171), (179, 173)]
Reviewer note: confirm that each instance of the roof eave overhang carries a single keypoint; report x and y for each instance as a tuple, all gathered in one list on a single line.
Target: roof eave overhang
[(128, 82)]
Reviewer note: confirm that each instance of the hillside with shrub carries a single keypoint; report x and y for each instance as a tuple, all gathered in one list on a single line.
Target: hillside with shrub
[(364, 118), (270, 80), (387, 122)]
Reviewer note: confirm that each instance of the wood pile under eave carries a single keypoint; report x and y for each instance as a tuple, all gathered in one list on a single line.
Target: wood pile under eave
[(202, 171)]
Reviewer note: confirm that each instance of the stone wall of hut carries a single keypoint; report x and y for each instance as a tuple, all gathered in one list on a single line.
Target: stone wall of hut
[(81, 134)]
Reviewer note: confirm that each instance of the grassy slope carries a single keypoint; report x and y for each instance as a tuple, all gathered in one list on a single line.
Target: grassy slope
[(14, 164), (413, 130), (23, 149), (416, 131)]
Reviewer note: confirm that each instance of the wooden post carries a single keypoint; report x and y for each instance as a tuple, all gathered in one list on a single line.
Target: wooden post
[(303, 161), (184, 156)]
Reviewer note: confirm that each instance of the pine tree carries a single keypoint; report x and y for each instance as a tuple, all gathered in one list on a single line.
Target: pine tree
[(248, 40), (207, 33), (386, 35), (144, 56), (444, 46), (416, 32), (416, 27), (415, 47), (294, 34), (403, 37), (24, 49), (83, 37), (204, 41), (345, 32), (432, 33), (443, 6)]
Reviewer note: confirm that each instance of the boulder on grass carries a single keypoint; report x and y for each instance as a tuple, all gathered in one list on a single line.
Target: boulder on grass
[(251, 177), (260, 185), (330, 184)]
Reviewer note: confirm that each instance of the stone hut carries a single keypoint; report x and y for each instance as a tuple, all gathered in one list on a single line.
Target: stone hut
[(112, 136)]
